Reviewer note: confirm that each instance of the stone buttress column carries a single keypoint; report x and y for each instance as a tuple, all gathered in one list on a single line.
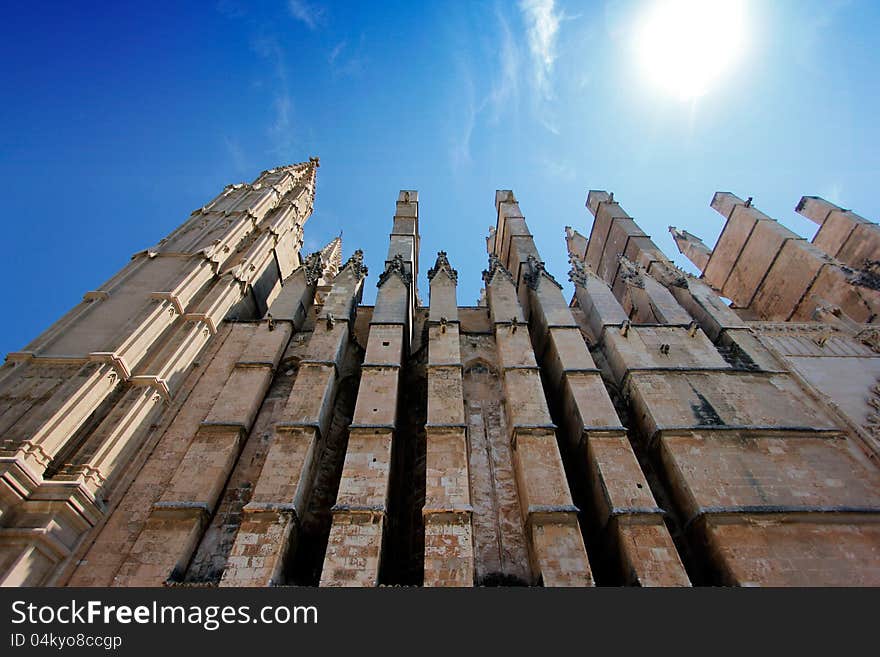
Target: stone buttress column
[(631, 522), (691, 247), (268, 530), (842, 234), (354, 549), (556, 546), (774, 274), (148, 342), (634, 520), (744, 453), (449, 543), (177, 519)]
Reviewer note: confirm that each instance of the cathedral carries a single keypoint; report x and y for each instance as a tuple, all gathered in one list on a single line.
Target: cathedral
[(224, 411)]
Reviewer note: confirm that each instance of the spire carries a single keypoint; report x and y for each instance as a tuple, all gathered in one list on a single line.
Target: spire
[(310, 179), (691, 247), (331, 257)]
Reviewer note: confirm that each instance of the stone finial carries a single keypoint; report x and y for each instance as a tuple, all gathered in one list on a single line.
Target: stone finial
[(395, 267), (536, 271), (495, 267), (442, 264), (356, 263)]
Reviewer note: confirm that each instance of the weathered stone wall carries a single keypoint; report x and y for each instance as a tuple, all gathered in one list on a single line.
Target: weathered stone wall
[(223, 412), (735, 415)]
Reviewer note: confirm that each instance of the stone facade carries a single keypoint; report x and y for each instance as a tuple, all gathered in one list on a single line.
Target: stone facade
[(225, 412)]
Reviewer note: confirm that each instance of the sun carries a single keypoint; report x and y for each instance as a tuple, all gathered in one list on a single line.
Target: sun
[(684, 46)]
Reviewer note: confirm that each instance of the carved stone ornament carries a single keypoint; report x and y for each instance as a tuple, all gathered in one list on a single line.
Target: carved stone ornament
[(495, 267), (536, 271), (631, 273), (442, 264), (871, 338), (395, 267), (313, 267), (579, 273), (356, 263)]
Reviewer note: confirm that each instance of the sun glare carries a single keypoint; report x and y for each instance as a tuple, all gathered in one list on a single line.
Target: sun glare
[(685, 46)]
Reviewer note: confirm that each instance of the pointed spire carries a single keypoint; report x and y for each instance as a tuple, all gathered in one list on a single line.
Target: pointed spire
[(692, 247), (331, 256)]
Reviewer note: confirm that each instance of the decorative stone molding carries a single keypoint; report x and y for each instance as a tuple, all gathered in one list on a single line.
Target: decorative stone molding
[(537, 270), (116, 361), (96, 295), (442, 264), (872, 421), (789, 327)]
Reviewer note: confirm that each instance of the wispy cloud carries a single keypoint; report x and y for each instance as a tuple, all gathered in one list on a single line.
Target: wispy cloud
[(815, 25), (559, 170), (502, 97), (832, 192), (236, 155), (337, 50), (279, 130), (347, 60), (542, 27), (505, 90), (312, 15), (460, 144)]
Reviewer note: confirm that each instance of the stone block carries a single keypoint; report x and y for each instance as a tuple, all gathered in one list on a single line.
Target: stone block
[(377, 397)]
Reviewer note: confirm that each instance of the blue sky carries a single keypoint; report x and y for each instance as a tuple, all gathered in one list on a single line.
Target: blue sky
[(119, 119)]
